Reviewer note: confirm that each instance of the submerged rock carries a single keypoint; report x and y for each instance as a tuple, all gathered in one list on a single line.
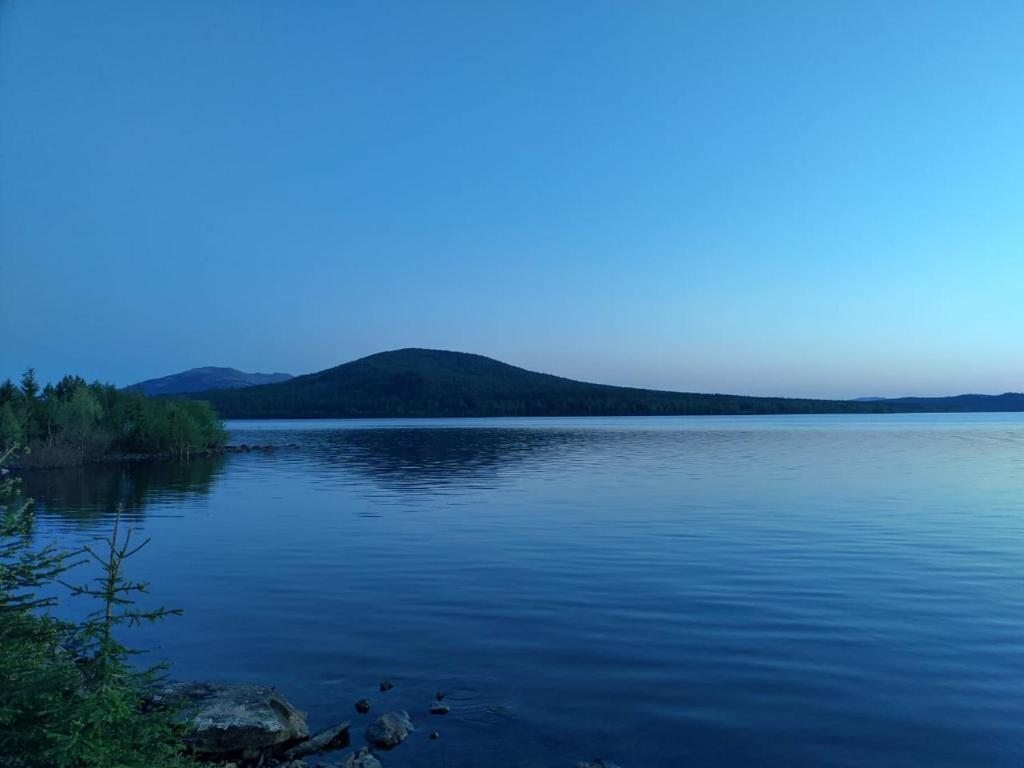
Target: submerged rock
[(386, 685), (226, 720), (361, 759), (363, 706), (597, 763), (389, 730), (329, 738), (437, 708)]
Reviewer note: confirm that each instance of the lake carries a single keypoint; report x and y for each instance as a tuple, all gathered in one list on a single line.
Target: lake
[(692, 591)]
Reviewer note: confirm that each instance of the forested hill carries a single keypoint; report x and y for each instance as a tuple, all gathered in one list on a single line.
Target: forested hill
[(200, 379), (435, 383)]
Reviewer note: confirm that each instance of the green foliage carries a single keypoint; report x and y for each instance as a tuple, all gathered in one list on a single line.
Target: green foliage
[(73, 422), (79, 416), (70, 697)]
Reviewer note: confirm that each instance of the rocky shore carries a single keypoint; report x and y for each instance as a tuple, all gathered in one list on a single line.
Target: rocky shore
[(254, 726), (246, 448)]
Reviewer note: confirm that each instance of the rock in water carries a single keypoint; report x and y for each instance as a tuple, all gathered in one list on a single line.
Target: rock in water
[(389, 730), (329, 738), (232, 719), (362, 706), (437, 708), (597, 763), (361, 759), (386, 685)]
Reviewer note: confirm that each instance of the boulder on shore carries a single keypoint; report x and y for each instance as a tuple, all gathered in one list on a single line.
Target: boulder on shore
[(389, 730), (228, 720), (329, 738)]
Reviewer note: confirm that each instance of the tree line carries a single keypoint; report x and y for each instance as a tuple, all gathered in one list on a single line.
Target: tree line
[(73, 422)]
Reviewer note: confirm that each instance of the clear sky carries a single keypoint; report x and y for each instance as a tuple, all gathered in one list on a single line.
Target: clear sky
[(820, 198)]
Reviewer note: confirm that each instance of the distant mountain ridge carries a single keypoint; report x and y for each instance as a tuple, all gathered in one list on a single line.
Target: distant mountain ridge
[(206, 379), (415, 383), (970, 403)]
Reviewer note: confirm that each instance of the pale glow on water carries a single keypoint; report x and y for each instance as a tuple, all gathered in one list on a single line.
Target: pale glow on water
[(800, 591)]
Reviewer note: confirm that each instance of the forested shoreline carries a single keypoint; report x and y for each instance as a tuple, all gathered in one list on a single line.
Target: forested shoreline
[(75, 422)]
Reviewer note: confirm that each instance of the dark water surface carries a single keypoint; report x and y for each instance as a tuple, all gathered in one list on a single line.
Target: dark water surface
[(791, 591)]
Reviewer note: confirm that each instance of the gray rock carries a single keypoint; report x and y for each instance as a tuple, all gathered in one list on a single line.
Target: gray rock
[(389, 730), (329, 738), (225, 720), (361, 759), (597, 763)]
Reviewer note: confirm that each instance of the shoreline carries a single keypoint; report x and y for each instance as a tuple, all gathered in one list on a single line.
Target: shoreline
[(247, 725), (138, 458)]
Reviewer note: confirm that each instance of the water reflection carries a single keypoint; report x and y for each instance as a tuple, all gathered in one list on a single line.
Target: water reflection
[(392, 459), (404, 459), (417, 459), (89, 493)]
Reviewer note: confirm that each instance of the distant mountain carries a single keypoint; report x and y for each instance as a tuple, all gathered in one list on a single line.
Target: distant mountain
[(1006, 402), (436, 383), (205, 379)]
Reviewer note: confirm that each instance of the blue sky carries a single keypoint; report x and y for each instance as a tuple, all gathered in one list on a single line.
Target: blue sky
[(768, 198)]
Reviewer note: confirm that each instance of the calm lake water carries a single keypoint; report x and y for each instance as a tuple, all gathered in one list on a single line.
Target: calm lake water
[(783, 591)]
